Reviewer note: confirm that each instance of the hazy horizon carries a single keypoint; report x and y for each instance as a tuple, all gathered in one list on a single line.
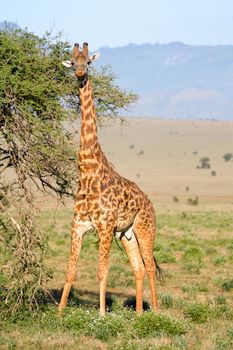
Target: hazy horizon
[(120, 23)]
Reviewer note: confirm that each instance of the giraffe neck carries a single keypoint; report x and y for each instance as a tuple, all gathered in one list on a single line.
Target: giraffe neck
[(88, 134)]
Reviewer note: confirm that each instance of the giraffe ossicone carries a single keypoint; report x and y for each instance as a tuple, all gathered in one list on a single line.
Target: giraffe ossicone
[(108, 202)]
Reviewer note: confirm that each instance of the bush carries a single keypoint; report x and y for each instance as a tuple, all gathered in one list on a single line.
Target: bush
[(205, 163), (192, 259), (151, 324), (193, 201), (164, 254), (219, 261), (105, 328), (227, 156), (227, 285), (166, 300), (90, 323), (198, 313), (224, 311), (23, 271), (165, 257), (220, 299)]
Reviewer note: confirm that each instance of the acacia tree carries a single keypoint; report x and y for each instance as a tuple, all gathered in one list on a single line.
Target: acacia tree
[(38, 97)]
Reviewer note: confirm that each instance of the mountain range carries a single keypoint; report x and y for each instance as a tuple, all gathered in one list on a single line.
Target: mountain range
[(175, 80), (172, 80)]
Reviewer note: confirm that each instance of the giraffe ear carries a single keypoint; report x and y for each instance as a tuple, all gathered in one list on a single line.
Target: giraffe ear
[(67, 64), (94, 57)]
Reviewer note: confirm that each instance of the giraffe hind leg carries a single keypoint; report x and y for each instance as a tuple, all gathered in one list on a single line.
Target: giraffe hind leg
[(145, 232), (130, 244)]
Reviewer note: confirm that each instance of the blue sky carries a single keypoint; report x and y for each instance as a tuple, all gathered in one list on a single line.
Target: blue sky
[(120, 22)]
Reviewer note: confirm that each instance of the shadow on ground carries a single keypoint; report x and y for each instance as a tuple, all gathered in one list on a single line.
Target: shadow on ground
[(53, 297)]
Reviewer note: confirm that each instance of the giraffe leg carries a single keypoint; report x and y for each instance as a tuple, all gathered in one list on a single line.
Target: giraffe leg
[(105, 241), (145, 231), (78, 229), (151, 273), (131, 246)]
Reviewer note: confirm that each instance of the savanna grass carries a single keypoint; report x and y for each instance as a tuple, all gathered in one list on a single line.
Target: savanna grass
[(195, 303)]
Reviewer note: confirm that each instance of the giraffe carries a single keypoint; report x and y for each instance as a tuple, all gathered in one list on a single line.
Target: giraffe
[(107, 202)]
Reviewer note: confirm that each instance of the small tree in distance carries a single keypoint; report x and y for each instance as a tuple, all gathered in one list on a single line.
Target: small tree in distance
[(228, 157), (205, 163), (38, 96)]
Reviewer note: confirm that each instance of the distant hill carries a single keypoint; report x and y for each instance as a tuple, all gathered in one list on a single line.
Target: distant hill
[(175, 80), (172, 80)]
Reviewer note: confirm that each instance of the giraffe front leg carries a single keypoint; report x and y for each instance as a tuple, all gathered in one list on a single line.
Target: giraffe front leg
[(105, 241), (78, 229)]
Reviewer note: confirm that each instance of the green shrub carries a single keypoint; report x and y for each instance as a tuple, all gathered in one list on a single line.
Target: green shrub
[(88, 322), (230, 246), (164, 254), (198, 313), (105, 328), (218, 281), (225, 340), (220, 299), (219, 261), (78, 320), (222, 344), (205, 163), (227, 156), (230, 257), (151, 324), (224, 311), (166, 300), (230, 333), (193, 201), (227, 285), (180, 303), (165, 257), (192, 259)]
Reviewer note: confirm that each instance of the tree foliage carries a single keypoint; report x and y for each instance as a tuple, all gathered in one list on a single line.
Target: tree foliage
[(38, 99), (228, 156)]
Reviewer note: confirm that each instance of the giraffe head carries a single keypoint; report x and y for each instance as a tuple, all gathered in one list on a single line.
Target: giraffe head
[(80, 60)]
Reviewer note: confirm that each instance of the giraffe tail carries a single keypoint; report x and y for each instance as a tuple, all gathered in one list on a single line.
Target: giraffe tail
[(159, 271)]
